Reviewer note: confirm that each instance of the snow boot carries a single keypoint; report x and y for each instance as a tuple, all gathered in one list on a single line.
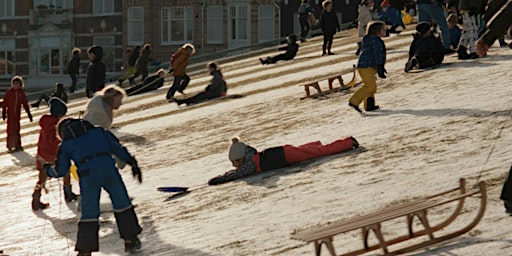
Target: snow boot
[(324, 47), (68, 194), (355, 143), (370, 104), (355, 107), (262, 61), (508, 207), (462, 53), (37, 204), (132, 245), (83, 254)]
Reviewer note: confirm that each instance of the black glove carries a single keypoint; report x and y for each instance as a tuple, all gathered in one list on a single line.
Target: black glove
[(45, 170), (381, 71), (4, 115), (29, 116), (171, 70), (135, 168)]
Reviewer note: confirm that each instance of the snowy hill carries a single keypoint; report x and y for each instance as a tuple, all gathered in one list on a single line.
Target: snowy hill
[(434, 127)]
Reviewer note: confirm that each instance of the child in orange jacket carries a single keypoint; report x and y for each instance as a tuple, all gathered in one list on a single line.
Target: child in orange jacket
[(47, 147), (14, 98), (179, 63)]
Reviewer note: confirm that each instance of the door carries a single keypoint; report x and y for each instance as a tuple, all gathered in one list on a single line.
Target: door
[(238, 24)]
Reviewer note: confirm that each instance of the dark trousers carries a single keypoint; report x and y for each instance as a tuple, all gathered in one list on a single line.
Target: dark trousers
[(506, 192), (304, 27), (180, 84), (73, 82), (426, 60), (41, 98), (278, 58)]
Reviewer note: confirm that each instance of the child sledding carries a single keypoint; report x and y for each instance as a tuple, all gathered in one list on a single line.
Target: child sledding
[(290, 49)]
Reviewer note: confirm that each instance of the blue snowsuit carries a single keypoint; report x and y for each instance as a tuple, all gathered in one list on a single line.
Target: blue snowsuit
[(91, 149)]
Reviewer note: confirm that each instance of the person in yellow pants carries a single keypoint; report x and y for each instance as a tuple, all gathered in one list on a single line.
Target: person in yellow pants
[(371, 60)]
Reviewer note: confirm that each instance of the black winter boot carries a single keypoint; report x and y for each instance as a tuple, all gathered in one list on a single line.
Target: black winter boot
[(132, 245), (68, 194), (37, 204), (87, 237), (324, 47), (463, 53), (370, 104), (128, 224)]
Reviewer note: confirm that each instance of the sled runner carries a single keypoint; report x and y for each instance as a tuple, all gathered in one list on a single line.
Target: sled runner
[(330, 80), (417, 208)]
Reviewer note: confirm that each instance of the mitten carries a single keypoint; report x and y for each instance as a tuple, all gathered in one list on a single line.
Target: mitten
[(4, 115), (381, 71), (135, 168), (29, 116)]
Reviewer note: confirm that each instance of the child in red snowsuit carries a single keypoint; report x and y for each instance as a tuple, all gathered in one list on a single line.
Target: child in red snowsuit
[(248, 161), (47, 147), (14, 98)]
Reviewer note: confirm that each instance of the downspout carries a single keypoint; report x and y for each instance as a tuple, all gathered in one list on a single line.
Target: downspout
[(278, 7)]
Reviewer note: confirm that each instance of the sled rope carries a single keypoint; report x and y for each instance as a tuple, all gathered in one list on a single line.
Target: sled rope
[(492, 148)]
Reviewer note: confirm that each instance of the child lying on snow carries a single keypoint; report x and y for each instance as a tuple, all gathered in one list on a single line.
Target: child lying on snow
[(248, 161)]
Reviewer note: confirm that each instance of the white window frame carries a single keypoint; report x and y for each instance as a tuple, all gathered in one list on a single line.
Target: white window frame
[(6, 12), (105, 5), (66, 4), (7, 46), (135, 37), (188, 26), (266, 23), (215, 24)]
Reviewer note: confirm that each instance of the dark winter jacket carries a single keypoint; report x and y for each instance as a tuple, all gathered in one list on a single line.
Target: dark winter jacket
[(134, 56), (498, 24), (61, 94), (74, 65), (254, 162), (291, 51), (304, 10), (95, 80), (431, 45), (91, 149), (329, 22), (373, 52), (48, 142), (471, 6)]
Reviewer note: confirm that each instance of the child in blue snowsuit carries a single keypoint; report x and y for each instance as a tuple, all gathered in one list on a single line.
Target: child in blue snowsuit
[(91, 149)]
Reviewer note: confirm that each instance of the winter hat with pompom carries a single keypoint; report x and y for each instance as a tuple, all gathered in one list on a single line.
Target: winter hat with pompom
[(57, 107), (236, 150)]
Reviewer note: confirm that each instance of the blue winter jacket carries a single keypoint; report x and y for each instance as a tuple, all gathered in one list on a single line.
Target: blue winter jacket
[(91, 149), (373, 52)]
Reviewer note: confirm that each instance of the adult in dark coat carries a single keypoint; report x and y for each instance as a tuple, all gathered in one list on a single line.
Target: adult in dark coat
[(330, 25), (142, 62), (95, 80), (74, 68), (496, 27), (291, 50), (215, 89), (426, 49)]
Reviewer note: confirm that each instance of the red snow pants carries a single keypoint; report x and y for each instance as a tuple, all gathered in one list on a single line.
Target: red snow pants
[(315, 149), (13, 131)]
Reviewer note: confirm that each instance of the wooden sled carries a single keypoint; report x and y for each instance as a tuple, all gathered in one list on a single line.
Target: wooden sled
[(330, 80), (417, 208)]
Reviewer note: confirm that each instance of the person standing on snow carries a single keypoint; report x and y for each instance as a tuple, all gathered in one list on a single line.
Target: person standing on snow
[(329, 24), (47, 147), (91, 149), (95, 80), (303, 12), (363, 18), (247, 161), (13, 99), (74, 68)]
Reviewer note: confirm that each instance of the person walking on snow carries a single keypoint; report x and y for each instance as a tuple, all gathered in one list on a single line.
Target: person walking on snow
[(91, 149), (290, 49), (95, 80), (371, 61), (179, 63), (247, 161), (13, 99), (47, 147), (215, 89), (330, 25), (303, 12), (74, 68), (469, 10)]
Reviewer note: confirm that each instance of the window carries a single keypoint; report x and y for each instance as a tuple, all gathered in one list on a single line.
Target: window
[(62, 4), (176, 25), (103, 7), (135, 25), (6, 8), (7, 55), (266, 23), (215, 25)]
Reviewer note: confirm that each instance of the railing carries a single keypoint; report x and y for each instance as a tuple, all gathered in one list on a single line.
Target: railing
[(52, 15)]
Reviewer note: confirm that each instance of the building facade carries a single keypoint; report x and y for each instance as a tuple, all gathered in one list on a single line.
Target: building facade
[(37, 36)]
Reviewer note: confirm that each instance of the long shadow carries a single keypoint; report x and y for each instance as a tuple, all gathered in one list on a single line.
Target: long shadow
[(152, 244), (462, 242), (269, 179), (23, 158), (441, 112)]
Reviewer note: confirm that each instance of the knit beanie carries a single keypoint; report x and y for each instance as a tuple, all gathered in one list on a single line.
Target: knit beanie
[(57, 107), (423, 27), (236, 150)]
